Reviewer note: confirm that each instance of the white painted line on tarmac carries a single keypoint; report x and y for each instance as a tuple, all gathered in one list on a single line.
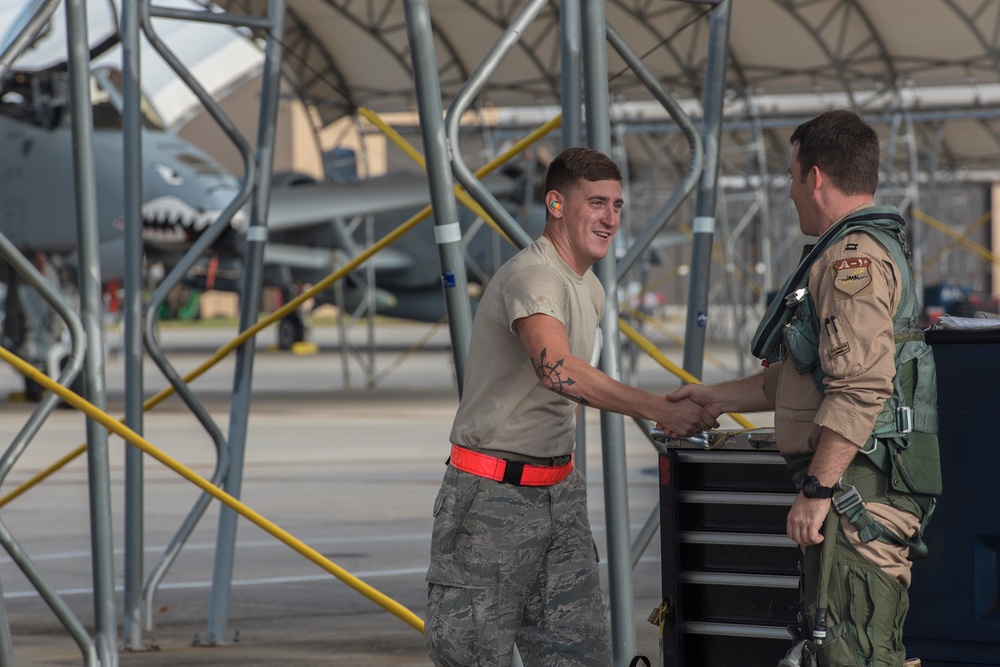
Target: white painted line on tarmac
[(250, 544), (267, 581), (210, 546)]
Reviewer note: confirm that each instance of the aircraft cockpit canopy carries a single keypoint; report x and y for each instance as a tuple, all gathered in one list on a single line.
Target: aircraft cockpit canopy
[(106, 86), (42, 99)]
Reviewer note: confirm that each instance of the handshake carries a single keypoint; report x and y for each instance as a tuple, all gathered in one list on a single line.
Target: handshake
[(692, 409)]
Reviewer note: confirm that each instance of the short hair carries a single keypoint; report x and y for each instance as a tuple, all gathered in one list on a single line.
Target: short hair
[(844, 147), (580, 163)]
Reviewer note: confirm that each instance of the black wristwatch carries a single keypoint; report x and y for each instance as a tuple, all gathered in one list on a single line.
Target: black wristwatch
[(811, 488)]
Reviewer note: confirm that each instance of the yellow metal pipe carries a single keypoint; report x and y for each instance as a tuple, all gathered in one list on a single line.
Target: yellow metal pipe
[(470, 203), (960, 238), (646, 346), (40, 477), (395, 137), (638, 314), (133, 438), (460, 193)]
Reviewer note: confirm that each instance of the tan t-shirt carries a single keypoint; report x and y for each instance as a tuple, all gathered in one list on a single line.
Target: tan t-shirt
[(504, 405), (855, 289)]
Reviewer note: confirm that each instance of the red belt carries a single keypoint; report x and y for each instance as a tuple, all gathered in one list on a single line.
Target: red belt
[(518, 473)]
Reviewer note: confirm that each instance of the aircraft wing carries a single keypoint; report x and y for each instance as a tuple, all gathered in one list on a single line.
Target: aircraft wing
[(300, 207), (314, 203), (321, 259)]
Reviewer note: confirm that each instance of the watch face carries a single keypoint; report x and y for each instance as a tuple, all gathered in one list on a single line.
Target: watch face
[(811, 488)]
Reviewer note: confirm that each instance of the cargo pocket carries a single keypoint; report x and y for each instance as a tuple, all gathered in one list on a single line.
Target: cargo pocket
[(464, 628), (868, 628), (916, 463)]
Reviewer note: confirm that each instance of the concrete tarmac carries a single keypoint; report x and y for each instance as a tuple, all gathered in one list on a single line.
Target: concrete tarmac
[(349, 469)]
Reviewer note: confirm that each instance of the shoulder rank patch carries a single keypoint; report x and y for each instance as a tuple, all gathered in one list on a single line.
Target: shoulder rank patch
[(851, 246), (852, 277)]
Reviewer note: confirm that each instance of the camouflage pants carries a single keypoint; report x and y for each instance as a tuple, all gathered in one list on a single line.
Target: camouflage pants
[(866, 609), (512, 563)]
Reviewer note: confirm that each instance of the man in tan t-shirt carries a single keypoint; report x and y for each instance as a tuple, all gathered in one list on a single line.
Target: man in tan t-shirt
[(855, 289), (512, 555)]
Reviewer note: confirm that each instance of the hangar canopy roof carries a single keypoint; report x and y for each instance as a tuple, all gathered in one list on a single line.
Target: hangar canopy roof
[(939, 58)]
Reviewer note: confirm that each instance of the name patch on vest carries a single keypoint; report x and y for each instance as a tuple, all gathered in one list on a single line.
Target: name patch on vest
[(852, 277), (840, 350)]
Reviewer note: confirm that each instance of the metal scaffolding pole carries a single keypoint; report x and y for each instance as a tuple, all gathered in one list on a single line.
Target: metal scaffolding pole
[(174, 278), (760, 152), (222, 575), (570, 70), (916, 249), (595, 68), (708, 189), (132, 314), (447, 232), (91, 310), (463, 100), (688, 183), (31, 276), (32, 20)]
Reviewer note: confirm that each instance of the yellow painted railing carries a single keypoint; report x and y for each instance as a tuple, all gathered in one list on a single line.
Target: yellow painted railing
[(118, 428)]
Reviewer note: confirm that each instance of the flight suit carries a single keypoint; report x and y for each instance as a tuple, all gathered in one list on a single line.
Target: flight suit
[(854, 287)]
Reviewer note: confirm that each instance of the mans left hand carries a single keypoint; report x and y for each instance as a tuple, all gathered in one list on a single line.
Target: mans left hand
[(805, 520)]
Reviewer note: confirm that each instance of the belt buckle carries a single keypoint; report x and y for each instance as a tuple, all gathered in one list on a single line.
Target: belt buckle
[(512, 472)]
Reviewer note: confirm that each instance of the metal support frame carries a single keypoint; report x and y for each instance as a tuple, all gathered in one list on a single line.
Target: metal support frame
[(595, 68), (72, 369), (690, 180), (160, 294), (132, 313), (91, 310), (447, 232), (462, 102), (103, 649), (570, 71), (218, 611), (704, 220), (32, 19), (916, 249)]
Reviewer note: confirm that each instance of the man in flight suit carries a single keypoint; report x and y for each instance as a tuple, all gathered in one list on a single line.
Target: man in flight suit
[(829, 395), (512, 554)]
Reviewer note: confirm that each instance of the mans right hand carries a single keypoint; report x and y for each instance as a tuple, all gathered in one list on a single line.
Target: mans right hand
[(684, 417), (701, 394)]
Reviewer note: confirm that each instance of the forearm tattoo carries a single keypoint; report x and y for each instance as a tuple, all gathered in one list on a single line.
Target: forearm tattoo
[(552, 376)]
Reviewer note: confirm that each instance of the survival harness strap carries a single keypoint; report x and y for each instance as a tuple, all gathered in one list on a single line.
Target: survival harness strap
[(885, 227), (851, 505), (768, 333)]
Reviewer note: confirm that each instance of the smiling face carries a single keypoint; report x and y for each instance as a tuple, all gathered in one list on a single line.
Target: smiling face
[(583, 224)]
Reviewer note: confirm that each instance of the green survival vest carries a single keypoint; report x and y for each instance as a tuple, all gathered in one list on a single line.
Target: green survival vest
[(903, 444)]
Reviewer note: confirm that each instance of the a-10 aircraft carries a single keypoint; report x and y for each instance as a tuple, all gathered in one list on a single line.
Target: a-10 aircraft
[(183, 191)]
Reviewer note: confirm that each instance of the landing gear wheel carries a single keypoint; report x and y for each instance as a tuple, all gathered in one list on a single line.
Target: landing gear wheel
[(291, 330)]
